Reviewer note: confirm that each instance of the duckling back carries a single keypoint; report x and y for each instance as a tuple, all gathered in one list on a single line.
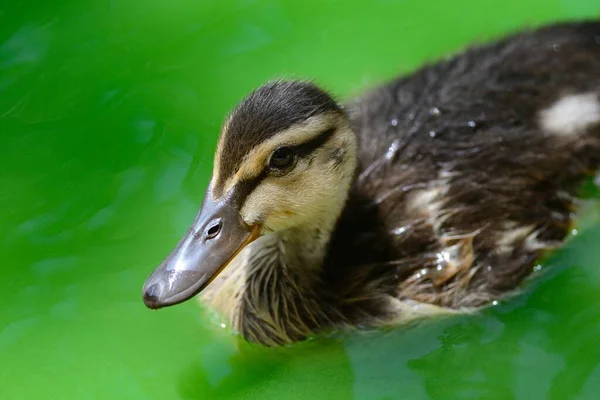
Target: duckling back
[(469, 169)]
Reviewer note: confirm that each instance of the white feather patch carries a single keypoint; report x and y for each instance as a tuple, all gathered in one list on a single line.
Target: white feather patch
[(571, 115)]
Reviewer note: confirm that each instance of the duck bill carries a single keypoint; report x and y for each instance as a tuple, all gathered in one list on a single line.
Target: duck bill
[(216, 237)]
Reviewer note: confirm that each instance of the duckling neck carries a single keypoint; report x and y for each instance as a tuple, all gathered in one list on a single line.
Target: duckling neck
[(303, 249), (283, 299)]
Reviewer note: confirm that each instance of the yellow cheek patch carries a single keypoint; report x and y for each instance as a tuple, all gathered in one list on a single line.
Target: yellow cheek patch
[(283, 214)]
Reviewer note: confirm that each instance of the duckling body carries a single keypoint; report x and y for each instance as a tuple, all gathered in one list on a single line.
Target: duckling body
[(440, 188), (472, 165)]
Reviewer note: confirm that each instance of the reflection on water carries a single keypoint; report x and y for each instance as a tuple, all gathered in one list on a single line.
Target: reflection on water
[(108, 119)]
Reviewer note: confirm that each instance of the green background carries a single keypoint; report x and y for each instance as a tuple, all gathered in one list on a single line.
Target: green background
[(109, 112)]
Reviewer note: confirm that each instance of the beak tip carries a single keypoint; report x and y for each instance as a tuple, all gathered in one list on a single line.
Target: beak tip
[(152, 297), (168, 288)]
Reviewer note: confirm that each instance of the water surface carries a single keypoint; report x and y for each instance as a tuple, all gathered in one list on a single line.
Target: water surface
[(109, 112)]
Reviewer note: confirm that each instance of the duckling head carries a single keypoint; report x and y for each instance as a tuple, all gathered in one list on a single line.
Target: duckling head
[(283, 166)]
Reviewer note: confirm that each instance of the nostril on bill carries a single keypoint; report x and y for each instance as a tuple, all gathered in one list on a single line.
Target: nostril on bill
[(213, 230)]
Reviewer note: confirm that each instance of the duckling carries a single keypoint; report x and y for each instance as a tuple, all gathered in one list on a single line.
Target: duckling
[(436, 191)]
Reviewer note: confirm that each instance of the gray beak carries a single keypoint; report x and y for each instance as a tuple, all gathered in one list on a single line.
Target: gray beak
[(216, 237)]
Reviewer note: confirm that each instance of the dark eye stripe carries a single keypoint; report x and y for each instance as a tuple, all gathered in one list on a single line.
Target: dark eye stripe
[(243, 188), (304, 149)]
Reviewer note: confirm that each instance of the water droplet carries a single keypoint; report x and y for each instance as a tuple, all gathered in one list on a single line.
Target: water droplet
[(223, 326), (439, 267), (537, 268), (472, 124), (489, 268), (443, 256), (574, 232), (400, 231), (394, 122), (495, 303), (556, 47), (435, 111), (392, 150), (423, 271), (432, 133)]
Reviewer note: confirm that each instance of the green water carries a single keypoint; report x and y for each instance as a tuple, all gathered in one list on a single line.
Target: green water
[(109, 112)]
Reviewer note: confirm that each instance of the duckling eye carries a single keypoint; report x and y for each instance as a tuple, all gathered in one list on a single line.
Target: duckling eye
[(282, 158)]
